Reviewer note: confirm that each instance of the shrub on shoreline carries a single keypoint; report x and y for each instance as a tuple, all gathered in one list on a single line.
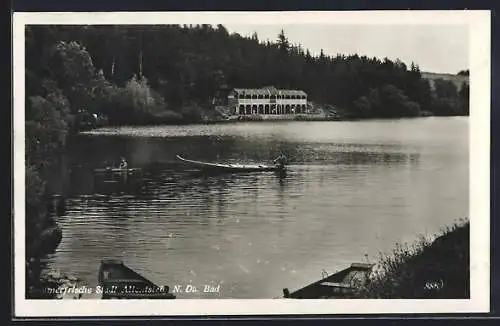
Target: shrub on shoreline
[(436, 269)]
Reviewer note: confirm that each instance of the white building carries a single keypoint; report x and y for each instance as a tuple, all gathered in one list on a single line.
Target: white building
[(267, 100)]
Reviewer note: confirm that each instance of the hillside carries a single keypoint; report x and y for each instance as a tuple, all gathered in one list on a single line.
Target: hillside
[(457, 80)]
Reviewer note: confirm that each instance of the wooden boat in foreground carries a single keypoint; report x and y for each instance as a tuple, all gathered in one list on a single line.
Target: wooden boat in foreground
[(340, 285), (118, 281), (230, 167)]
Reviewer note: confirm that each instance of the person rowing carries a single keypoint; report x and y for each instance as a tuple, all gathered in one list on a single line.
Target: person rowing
[(280, 161), (123, 164)]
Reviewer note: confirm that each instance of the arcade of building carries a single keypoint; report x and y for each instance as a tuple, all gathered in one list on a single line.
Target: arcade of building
[(267, 100)]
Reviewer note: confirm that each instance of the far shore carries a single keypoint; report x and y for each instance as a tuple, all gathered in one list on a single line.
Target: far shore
[(260, 119)]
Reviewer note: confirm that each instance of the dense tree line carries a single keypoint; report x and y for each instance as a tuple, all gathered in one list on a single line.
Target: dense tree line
[(133, 72)]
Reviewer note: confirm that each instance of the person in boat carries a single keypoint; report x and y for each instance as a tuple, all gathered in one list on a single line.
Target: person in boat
[(123, 164), (280, 161)]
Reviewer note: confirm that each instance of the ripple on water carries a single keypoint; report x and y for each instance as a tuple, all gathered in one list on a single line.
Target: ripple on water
[(353, 189)]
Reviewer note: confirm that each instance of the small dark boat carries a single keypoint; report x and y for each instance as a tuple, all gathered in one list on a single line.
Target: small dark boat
[(118, 281), (230, 167), (341, 285), (117, 176), (118, 171)]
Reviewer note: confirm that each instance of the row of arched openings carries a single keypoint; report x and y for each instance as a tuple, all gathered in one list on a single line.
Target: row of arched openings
[(272, 97), (272, 109)]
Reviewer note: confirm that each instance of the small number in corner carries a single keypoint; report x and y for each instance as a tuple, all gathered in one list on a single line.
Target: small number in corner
[(434, 285)]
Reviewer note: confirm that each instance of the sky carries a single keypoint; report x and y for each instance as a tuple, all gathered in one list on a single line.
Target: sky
[(435, 48)]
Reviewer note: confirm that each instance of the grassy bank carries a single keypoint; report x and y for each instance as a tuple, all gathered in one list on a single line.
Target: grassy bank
[(437, 269)]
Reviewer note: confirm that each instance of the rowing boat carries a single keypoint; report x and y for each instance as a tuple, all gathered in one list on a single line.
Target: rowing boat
[(118, 281), (117, 170), (342, 284), (230, 167)]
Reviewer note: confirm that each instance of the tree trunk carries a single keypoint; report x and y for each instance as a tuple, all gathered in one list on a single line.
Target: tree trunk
[(140, 56), (140, 64), (113, 66)]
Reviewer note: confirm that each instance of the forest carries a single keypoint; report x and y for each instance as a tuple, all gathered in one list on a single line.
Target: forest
[(172, 73)]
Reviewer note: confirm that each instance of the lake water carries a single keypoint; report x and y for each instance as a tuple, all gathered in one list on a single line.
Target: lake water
[(353, 190)]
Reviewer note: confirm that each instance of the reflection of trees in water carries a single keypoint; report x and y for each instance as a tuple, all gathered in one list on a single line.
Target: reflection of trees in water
[(282, 182), (105, 151), (217, 192), (193, 192), (167, 179), (147, 151), (84, 181), (260, 150), (56, 175), (119, 222), (222, 186), (212, 195), (105, 218), (143, 151), (242, 149)]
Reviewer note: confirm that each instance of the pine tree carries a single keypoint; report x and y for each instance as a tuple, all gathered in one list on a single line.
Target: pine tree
[(283, 43)]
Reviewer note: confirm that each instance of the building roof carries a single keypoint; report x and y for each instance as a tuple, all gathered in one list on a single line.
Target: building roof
[(269, 91), (292, 92)]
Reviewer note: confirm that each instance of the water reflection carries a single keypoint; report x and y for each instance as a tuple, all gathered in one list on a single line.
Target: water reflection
[(351, 190)]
